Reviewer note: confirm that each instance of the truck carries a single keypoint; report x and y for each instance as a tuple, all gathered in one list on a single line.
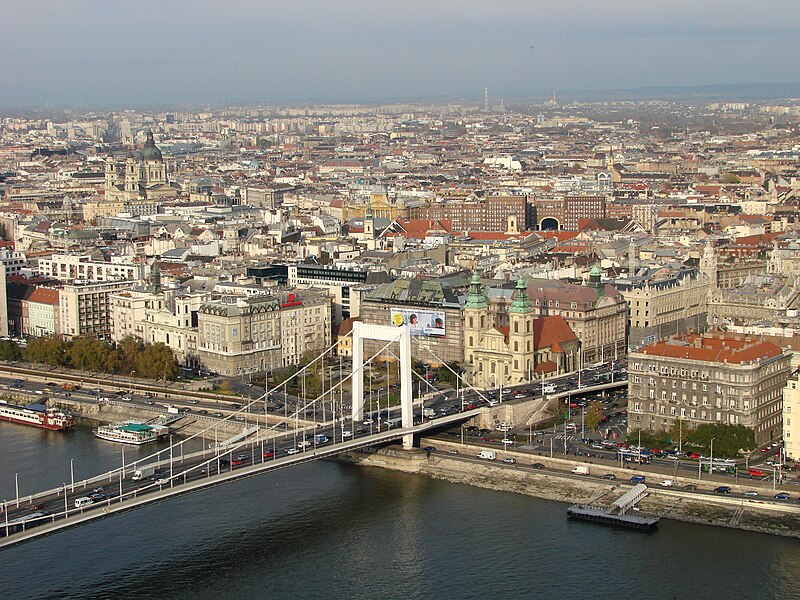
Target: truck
[(548, 388), (173, 410), (667, 483), (581, 470), (143, 473), (320, 439), (428, 413), (487, 454)]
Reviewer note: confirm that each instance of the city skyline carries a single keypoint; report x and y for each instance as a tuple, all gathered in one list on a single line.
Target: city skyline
[(102, 55)]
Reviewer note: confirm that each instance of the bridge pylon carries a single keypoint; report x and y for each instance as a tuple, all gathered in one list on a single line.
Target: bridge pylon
[(386, 333)]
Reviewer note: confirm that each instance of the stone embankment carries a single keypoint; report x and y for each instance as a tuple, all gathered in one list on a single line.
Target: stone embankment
[(752, 514)]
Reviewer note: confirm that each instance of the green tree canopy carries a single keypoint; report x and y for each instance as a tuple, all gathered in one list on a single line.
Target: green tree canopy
[(157, 361), (728, 439), (593, 415), (9, 350)]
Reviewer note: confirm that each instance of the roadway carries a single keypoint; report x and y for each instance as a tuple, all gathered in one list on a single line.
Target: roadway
[(118, 491)]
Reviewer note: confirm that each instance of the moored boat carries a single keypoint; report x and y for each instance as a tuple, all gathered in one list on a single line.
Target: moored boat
[(36, 415)]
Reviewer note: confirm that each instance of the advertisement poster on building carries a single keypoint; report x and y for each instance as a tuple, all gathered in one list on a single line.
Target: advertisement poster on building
[(422, 322)]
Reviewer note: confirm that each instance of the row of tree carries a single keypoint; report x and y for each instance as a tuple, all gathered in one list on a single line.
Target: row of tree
[(729, 440), (129, 357)]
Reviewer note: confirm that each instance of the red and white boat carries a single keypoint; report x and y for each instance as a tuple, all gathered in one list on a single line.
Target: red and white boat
[(38, 415)]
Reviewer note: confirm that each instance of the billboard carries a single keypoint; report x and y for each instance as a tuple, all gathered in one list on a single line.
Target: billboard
[(422, 322)]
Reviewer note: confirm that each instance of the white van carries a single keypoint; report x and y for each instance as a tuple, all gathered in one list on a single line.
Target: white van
[(83, 501), (487, 454), (581, 470)]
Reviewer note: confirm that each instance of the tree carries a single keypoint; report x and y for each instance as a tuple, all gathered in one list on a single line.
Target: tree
[(729, 178), (593, 415), (728, 439), (680, 432), (129, 350), (157, 362), (446, 374), (49, 350), (90, 354), (9, 350)]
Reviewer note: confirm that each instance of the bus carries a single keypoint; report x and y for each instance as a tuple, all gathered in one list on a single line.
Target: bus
[(642, 457), (25, 522), (720, 465)]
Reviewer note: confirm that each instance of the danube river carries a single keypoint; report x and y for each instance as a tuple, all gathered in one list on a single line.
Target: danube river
[(325, 530)]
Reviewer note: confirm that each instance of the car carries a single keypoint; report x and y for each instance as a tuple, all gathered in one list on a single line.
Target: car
[(149, 402), (192, 401), (236, 462), (268, 454), (97, 497), (238, 418), (608, 476), (781, 496), (303, 444), (597, 446), (236, 406), (367, 422), (242, 456), (722, 489), (346, 434), (162, 481), (751, 493), (487, 439), (217, 414), (638, 479), (292, 451), (506, 441), (510, 461), (184, 409), (203, 412), (537, 466), (765, 449), (453, 452), (430, 448)]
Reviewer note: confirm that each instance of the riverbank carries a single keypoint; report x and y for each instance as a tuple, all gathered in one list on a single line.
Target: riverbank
[(717, 510)]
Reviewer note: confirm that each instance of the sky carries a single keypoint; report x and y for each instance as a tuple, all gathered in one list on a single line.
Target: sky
[(114, 53)]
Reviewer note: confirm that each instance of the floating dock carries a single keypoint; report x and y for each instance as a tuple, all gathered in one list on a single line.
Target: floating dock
[(617, 513)]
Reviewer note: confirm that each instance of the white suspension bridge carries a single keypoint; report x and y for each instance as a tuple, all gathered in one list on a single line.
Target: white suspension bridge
[(277, 443)]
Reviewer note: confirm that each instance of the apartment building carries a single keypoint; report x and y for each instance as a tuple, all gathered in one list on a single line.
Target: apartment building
[(479, 214), (69, 267), (709, 378), (85, 308)]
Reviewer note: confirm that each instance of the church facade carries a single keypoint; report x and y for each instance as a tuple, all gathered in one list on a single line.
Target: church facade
[(137, 180)]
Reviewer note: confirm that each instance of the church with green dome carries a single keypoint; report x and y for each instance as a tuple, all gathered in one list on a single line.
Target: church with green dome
[(138, 179)]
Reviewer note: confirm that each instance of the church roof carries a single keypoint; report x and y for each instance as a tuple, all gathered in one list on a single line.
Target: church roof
[(150, 151)]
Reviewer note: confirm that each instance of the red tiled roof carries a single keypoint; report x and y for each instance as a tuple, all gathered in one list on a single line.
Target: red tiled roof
[(552, 331), (504, 330), (44, 296), (717, 349)]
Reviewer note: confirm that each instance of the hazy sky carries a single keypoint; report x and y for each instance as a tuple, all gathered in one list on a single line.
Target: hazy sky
[(146, 52)]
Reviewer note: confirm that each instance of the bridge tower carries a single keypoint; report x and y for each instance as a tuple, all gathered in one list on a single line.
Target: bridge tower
[(386, 333)]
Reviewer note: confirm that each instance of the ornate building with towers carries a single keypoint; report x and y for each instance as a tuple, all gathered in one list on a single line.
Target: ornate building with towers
[(138, 179), (517, 346)]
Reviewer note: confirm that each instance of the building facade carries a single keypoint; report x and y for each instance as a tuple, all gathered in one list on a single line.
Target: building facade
[(526, 349), (711, 378), (791, 418), (85, 308)]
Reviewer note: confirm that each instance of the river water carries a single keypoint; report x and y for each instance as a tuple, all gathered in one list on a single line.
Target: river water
[(325, 530)]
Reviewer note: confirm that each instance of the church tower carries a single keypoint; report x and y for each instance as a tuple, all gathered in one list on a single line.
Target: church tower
[(476, 322), (520, 334), (708, 265), (112, 179)]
